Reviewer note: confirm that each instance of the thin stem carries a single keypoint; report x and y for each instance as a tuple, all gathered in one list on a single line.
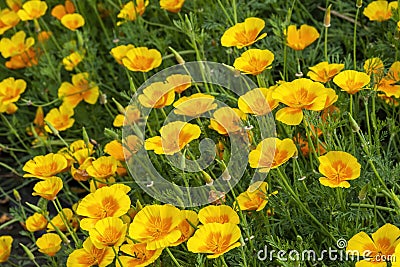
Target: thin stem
[(116, 255), (355, 39), (173, 258)]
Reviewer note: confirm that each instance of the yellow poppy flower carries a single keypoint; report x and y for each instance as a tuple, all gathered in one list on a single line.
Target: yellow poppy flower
[(139, 256), (396, 255), (254, 61), (378, 249), (324, 72), (20, 61), (194, 105), (17, 45), (380, 10), (108, 232), (156, 226), (173, 6), (60, 118), (49, 244), (80, 151), (46, 166), (108, 201), (80, 89), (271, 153), (142, 59), (373, 65), (58, 221), (130, 113), (131, 10), (119, 52), (10, 92), (227, 120), (103, 167), (15, 5), (174, 137), (48, 188), (351, 81), (89, 255), (179, 82), (215, 239), (8, 19), (157, 95), (338, 167), (299, 39), (185, 227), (73, 21), (71, 61), (258, 101), (218, 214), (5, 247), (32, 9), (255, 197), (59, 11), (80, 173), (244, 34), (297, 95), (36, 222), (115, 149)]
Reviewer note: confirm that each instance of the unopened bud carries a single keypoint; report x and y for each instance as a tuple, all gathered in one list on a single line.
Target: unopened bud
[(207, 178), (17, 195), (110, 133), (178, 57), (28, 252), (354, 124), (120, 108), (359, 3), (85, 137), (53, 130), (34, 207), (363, 193), (327, 18)]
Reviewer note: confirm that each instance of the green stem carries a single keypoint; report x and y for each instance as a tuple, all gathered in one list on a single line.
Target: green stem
[(362, 205), (173, 258), (116, 255), (355, 39)]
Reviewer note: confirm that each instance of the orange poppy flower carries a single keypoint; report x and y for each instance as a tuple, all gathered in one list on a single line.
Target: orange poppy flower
[(36, 222), (108, 201), (324, 72), (17, 45), (244, 34), (215, 239), (389, 87), (49, 244), (138, 255), (338, 167), (297, 95), (43, 36), (72, 60), (10, 92), (255, 197), (174, 137), (142, 59), (271, 153), (80, 173), (60, 118), (218, 214), (32, 9), (373, 65), (89, 255), (156, 226), (80, 89), (26, 59), (59, 11), (380, 10), (119, 52), (48, 188), (131, 10), (58, 221), (46, 166), (108, 232), (351, 81), (103, 167), (179, 82), (258, 101), (157, 95), (227, 120), (254, 61), (194, 105), (5, 247), (299, 39), (8, 19), (185, 227), (173, 6), (377, 249), (73, 21), (304, 146)]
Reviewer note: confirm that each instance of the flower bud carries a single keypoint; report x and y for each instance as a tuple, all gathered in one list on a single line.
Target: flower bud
[(354, 124), (327, 18), (359, 3), (178, 57)]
